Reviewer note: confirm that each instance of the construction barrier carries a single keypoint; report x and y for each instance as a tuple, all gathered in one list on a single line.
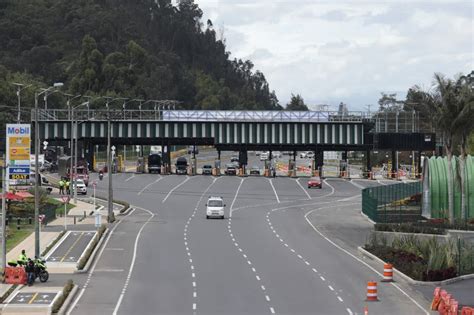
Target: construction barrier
[(466, 310), (372, 291), (387, 273), (15, 275), (366, 310), (436, 299)]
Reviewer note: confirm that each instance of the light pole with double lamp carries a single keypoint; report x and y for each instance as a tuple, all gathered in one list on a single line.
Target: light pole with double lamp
[(20, 87), (37, 147)]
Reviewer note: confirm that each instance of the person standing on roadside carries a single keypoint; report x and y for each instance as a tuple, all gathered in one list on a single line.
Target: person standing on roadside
[(30, 271), (61, 186), (68, 183)]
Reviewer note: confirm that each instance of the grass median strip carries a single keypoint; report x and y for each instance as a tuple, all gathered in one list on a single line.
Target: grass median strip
[(62, 298)]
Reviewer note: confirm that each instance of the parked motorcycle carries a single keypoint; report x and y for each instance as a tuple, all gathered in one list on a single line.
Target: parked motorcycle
[(40, 270), (101, 175)]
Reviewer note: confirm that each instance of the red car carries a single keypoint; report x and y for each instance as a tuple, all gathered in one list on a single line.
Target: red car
[(315, 182)]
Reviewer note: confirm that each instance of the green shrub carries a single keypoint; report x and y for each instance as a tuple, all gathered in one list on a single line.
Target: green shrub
[(60, 300), (83, 261)]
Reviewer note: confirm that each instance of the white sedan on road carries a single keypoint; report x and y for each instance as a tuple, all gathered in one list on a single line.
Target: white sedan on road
[(81, 186)]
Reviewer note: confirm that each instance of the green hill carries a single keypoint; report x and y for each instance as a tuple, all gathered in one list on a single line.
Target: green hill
[(143, 49)]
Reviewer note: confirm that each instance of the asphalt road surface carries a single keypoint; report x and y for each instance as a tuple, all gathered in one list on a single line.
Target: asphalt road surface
[(72, 247), (278, 251)]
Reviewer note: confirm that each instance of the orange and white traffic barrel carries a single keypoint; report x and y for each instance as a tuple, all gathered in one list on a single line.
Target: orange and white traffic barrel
[(387, 273), (372, 291)]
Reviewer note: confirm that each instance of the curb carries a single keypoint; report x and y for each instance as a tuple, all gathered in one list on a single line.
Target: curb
[(367, 217), (93, 255), (409, 279), (67, 303), (125, 210)]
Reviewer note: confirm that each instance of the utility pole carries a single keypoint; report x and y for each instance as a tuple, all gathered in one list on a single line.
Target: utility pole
[(37, 231), (110, 202), (4, 212)]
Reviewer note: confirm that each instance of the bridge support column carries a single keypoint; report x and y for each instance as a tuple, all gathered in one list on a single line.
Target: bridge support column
[(218, 163), (343, 167), (319, 161), (368, 174), (394, 165), (89, 154), (418, 165), (293, 173)]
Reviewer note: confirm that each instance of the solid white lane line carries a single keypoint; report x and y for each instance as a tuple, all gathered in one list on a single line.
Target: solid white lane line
[(235, 197), (132, 265), (359, 260), (133, 175), (274, 190), (302, 188), (154, 182), (174, 188), (71, 308)]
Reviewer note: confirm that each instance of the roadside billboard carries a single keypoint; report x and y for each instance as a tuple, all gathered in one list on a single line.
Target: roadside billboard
[(18, 152)]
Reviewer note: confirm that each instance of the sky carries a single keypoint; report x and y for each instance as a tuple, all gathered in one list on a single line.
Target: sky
[(332, 51)]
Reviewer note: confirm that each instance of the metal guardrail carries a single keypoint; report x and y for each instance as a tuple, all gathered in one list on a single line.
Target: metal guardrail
[(200, 115)]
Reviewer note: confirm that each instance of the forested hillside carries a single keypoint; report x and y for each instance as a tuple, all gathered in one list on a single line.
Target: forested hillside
[(147, 49)]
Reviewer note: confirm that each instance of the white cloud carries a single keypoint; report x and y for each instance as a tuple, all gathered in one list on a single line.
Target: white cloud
[(332, 51)]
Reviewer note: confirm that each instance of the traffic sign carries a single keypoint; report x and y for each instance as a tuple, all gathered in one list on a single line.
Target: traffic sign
[(94, 183), (65, 198), (41, 218)]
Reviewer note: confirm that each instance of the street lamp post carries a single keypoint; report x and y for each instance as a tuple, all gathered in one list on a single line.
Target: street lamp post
[(20, 87), (37, 146), (71, 165)]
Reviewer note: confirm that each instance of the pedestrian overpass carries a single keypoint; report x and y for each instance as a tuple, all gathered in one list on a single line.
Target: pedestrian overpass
[(227, 130)]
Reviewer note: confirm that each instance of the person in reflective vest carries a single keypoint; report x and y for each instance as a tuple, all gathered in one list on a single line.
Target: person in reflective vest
[(22, 259)]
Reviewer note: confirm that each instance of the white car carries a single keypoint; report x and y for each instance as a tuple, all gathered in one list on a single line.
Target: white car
[(215, 208), (81, 187)]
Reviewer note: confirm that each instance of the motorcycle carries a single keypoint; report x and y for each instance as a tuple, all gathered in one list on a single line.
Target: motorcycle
[(40, 270), (101, 175)]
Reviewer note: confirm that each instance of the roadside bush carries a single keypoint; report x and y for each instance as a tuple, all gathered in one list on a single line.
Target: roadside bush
[(83, 261), (60, 301), (408, 228), (425, 260)]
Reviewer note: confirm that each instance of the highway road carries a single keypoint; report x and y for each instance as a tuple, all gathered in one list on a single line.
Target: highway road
[(281, 249)]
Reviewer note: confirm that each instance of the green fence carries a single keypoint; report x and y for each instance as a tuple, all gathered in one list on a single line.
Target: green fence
[(399, 202)]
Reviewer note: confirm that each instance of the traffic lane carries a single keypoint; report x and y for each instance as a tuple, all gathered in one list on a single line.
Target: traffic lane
[(253, 192), (224, 282), (105, 281), (286, 189), (291, 289), (343, 188), (73, 246), (347, 273), (161, 281)]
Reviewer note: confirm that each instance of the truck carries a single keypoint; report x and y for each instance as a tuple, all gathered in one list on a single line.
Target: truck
[(154, 163), (181, 166)]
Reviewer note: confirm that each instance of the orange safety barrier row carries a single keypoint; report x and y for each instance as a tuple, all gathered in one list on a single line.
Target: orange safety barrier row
[(445, 304), (15, 275)]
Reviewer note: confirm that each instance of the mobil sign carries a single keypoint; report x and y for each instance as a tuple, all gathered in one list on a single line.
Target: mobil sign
[(18, 130), (18, 151)]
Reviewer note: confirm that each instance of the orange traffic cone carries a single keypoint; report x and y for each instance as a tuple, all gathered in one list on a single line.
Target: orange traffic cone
[(372, 291)]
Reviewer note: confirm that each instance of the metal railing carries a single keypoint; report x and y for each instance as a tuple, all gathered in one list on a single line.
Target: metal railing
[(201, 115), (393, 203)]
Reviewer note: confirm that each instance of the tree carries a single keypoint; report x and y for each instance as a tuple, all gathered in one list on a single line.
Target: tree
[(296, 103), (389, 102), (464, 126), (448, 113)]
